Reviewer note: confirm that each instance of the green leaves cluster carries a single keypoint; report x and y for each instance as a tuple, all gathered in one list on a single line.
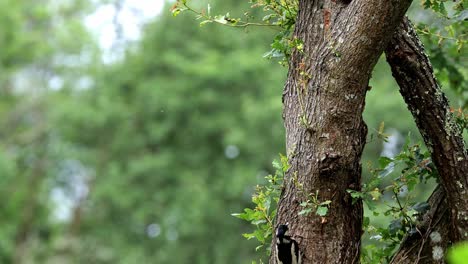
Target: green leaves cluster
[(206, 16), (313, 204), (440, 6), (280, 15), (410, 168), (445, 37), (265, 199)]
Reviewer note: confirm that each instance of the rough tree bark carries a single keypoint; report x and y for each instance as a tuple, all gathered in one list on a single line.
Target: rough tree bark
[(325, 134), (447, 221)]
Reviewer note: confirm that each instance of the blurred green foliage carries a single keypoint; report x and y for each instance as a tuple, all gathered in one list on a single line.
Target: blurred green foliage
[(458, 253), (176, 134), (144, 159)]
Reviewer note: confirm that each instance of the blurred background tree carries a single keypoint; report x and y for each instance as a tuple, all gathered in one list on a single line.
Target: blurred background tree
[(142, 158)]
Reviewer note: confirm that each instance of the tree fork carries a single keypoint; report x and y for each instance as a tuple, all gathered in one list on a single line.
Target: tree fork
[(325, 132)]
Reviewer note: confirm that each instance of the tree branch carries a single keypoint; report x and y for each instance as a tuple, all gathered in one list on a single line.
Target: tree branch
[(447, 221)]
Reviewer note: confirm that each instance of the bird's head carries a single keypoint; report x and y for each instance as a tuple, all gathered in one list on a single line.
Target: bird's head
[(281, 230)]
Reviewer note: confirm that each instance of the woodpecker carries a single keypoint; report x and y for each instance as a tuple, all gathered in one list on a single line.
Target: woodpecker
[(287, 249)]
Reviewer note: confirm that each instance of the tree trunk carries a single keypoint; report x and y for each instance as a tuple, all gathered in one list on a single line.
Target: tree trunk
[(31, 204), (325, 134), (447, 221), (430, 244)]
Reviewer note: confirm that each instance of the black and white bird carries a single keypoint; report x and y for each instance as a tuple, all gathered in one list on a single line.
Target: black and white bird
[(287, 249)]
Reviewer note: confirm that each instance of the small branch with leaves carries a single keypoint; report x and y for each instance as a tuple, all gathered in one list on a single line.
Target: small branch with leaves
[(265, 199), (207, 17)]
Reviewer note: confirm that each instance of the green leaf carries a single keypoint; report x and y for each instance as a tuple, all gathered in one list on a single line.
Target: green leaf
[(355, 194), (175, 11), (276, 165), (268, 17), (384, 161), (458, 254), (322, 210), (370, 204), (305, 211), (375, 194), (257, 222), (248, 235), (442, 9), (220, 19), (205, 22), (284, 162), (366, 221)]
